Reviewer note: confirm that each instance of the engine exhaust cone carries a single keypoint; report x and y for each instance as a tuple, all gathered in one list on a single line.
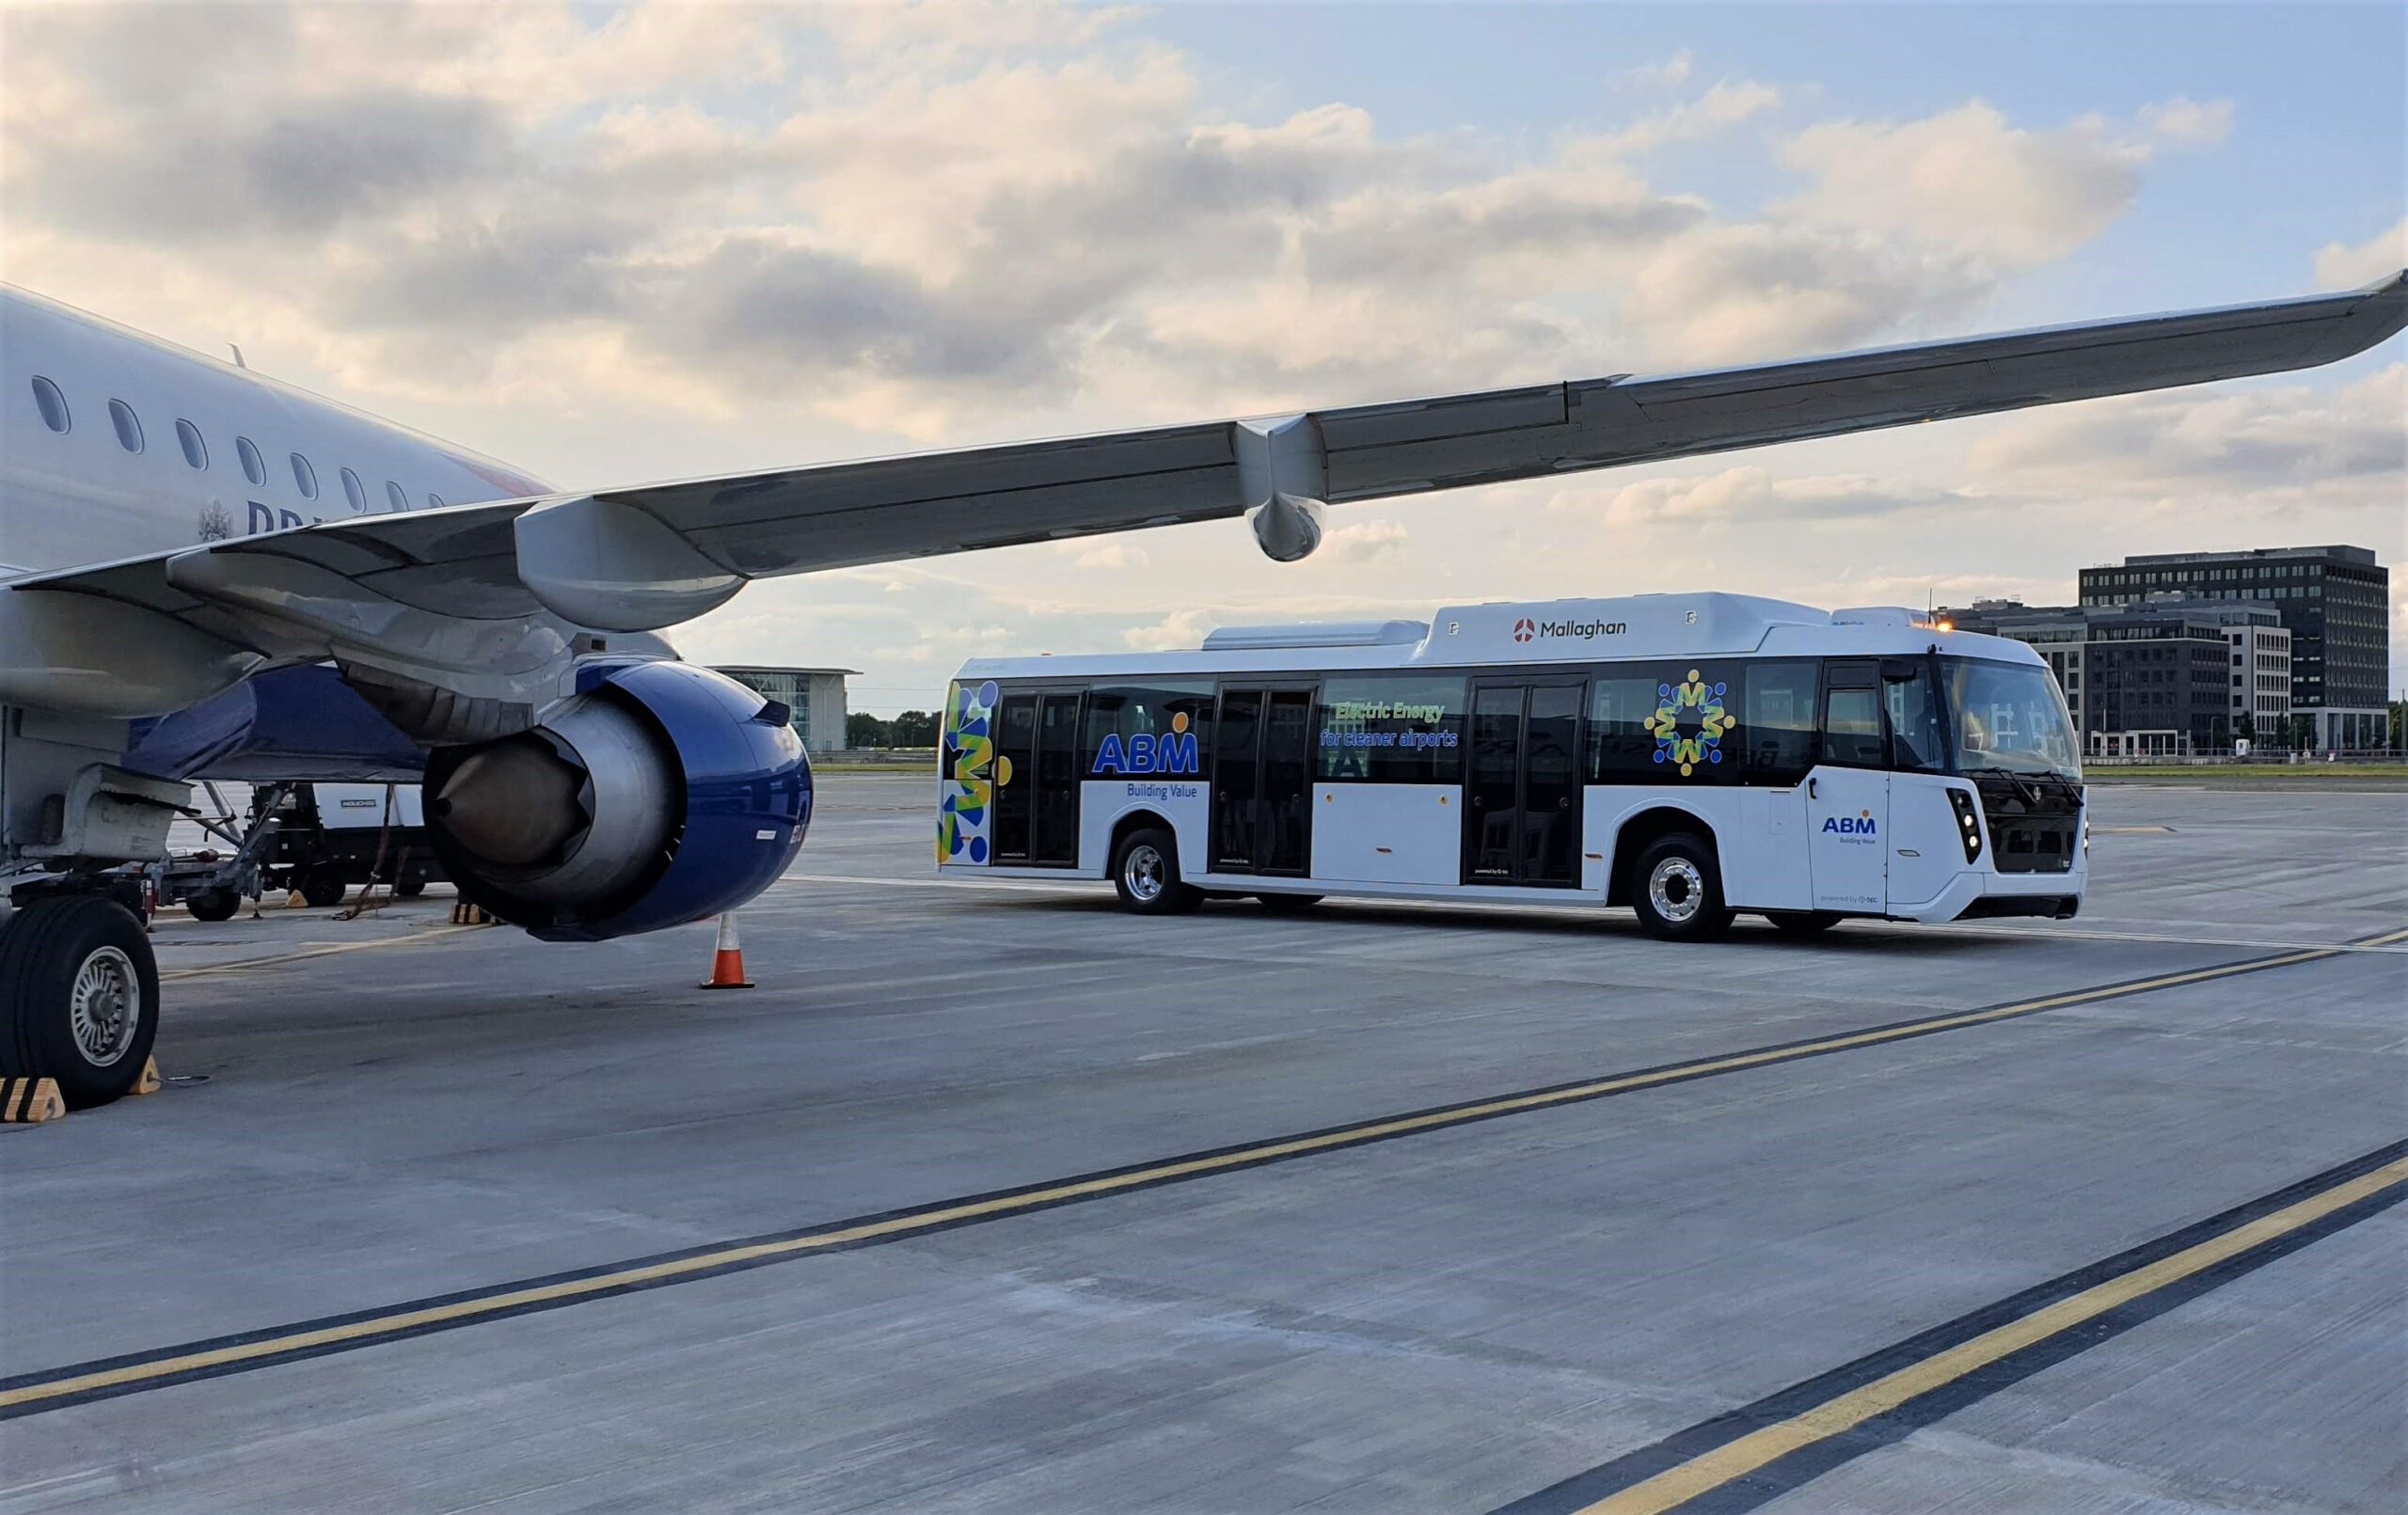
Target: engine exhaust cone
[(514, 804)]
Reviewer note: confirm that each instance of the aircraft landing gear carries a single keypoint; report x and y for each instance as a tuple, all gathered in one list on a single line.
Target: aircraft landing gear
[(79, 996)]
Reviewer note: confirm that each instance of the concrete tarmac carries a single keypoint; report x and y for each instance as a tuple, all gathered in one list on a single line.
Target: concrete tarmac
[(1449, 1319)]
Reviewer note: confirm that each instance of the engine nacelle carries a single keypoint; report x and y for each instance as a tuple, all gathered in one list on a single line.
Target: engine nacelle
[(660, 793), (1287, 526)]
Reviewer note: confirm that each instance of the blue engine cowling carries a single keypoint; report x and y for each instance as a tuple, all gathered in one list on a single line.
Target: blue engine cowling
[(661, 793)]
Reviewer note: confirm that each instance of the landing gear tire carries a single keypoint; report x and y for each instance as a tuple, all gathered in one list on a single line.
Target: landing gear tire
[(1288, 904), (1144, 872), (1802, 922), (79, 997), (1677, 889), (321, 888), (410, 886), (214, 904)]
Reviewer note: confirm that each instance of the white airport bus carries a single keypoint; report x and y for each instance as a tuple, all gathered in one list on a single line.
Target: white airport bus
[(1690, 756)]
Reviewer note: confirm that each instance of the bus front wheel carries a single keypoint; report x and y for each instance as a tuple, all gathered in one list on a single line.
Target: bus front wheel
[(1144, 872), (1677, 889)]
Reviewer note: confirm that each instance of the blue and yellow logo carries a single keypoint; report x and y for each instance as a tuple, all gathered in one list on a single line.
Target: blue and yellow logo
[(1173, 751), (1689, 722)]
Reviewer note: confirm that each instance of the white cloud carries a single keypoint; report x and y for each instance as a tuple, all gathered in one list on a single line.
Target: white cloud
[(928, 221), (2267, 449), (1365, 542), (1668, 73), (1727, 103), (2346, 266), (1970, 180), (1756, 494), (1113, 553), (1180, 628), (2182, 121)]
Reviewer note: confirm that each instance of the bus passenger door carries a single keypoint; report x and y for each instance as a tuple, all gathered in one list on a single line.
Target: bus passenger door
[(1262, 782), (1055, 843), (1237, 742), (1522, 792), (1037, 781), (1847, 794), (1015, 778)]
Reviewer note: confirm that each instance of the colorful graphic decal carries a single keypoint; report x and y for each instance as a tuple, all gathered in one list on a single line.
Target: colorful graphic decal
[(968, 773), (1689, 722)]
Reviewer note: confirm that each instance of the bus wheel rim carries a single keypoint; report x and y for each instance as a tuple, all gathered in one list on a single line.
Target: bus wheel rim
[(1143, 873), (105, 1006), (1677, 889)]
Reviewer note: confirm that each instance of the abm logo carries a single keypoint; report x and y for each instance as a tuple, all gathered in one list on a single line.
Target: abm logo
[(1857, 825), (1174, 751)]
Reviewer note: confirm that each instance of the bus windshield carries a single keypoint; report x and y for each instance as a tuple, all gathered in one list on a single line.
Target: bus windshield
[(2010, 716)]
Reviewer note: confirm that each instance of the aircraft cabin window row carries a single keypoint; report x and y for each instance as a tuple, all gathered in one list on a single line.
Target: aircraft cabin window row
[(50, 402)]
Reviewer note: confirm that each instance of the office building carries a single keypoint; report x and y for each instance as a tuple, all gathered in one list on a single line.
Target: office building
[(2335, 601), (815, 695)]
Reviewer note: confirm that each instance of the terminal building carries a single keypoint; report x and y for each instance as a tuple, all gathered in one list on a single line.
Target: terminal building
[(2335, 601), (815, 695), (2163, 676)]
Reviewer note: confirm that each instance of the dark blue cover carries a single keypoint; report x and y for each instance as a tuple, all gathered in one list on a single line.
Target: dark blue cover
[(292, 724)]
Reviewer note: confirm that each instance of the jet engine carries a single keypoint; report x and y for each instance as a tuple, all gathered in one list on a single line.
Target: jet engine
[(659, 793)]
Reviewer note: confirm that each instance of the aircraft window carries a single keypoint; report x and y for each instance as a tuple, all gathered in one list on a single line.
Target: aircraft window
[(253, 468), (354, 491), (435, 500), (394, 492), (195, 450), (305, 478), (129, 430), (51, 405)]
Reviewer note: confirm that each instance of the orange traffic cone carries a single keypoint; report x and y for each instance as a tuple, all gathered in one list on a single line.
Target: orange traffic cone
[(727, 962)]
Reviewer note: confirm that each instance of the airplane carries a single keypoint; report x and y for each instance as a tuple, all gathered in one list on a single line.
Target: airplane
[(199, 565)]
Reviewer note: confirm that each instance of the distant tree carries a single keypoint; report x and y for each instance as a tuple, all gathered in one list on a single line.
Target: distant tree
[(913, 728), (865, 731), (2246, 728), (2302, 732)]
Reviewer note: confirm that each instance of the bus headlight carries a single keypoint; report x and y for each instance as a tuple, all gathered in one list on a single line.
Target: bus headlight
[(1968, 823)]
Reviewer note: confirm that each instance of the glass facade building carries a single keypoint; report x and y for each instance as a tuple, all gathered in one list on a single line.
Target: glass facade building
[(815, 695), (2335, 601)]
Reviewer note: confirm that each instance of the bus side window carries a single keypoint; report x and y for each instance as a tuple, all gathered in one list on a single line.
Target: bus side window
[(1852, 727), (1390, 728), (1776, 736), (1147, 729), (1916, 744), (1621, 747)]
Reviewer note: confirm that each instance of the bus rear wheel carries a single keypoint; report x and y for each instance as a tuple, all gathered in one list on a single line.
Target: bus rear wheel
[(1677, 889), (1144, 873), (79, 997), (1802, 922)]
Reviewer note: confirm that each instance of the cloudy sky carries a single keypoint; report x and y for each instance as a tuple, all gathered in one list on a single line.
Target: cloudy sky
[(615, 244)]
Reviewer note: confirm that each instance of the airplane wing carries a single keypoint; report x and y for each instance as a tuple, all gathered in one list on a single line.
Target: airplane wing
[(637, 559)]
